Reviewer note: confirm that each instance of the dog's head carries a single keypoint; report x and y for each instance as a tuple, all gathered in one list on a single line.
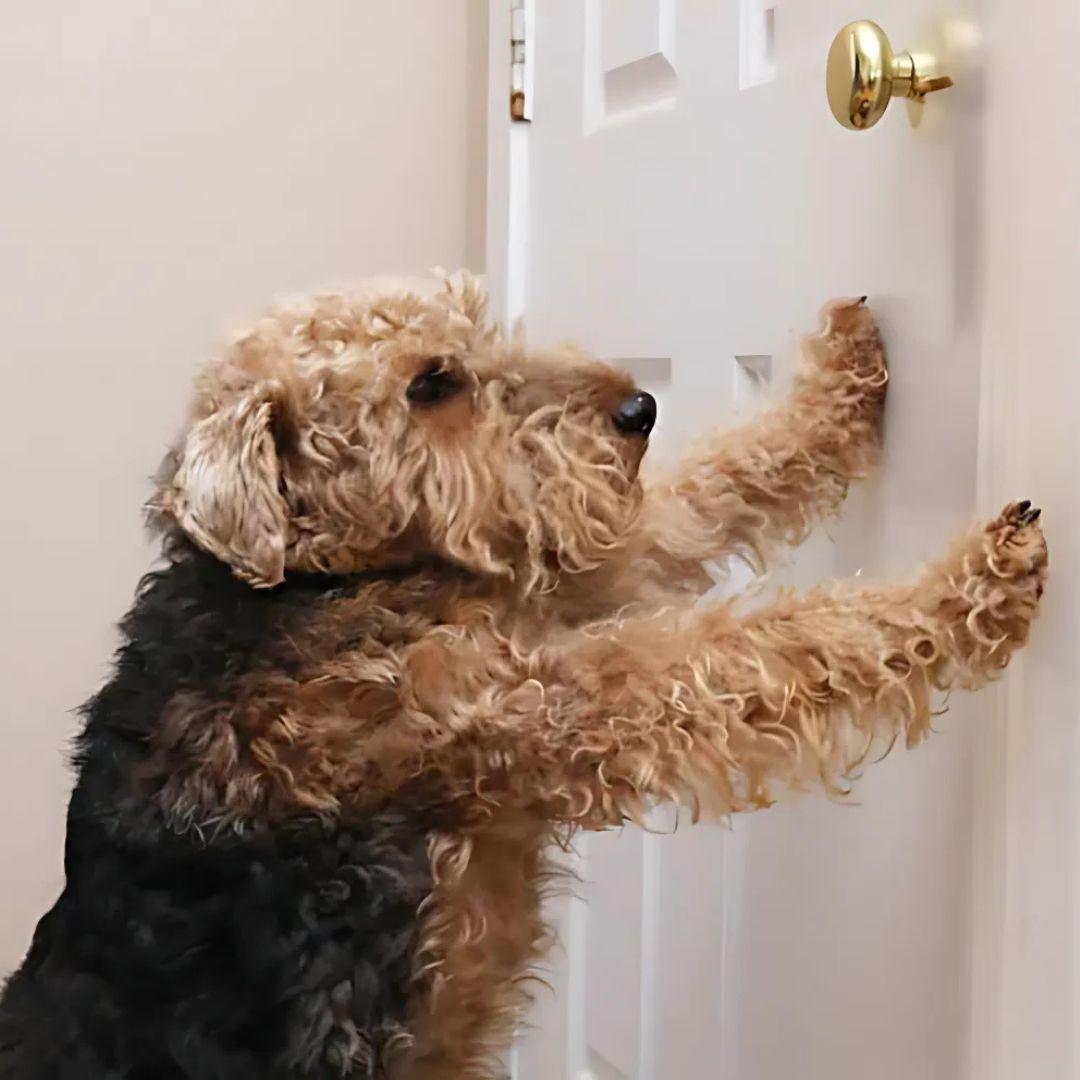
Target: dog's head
[(367, 431)]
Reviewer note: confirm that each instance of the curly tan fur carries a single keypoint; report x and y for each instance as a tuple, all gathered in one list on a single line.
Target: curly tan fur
[(768, 482), (518, 657)]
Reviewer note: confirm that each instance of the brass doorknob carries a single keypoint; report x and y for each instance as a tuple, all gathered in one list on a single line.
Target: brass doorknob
[(863, 74)]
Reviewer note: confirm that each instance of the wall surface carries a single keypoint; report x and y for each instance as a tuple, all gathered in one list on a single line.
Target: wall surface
[(167, 169)]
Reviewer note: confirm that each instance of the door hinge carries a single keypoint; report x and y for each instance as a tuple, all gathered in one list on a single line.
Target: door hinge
[(521, 90)]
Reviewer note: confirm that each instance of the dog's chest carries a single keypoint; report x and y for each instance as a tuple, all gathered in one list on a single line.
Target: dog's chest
[(276, 954)]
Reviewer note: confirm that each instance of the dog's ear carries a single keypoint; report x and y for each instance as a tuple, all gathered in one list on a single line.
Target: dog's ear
[(226, 490)]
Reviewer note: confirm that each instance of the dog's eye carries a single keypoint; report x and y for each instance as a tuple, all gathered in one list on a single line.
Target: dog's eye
[(436, 383)]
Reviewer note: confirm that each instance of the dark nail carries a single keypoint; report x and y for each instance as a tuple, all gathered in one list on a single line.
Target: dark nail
[(1023, 506), (1034, 515), (862, 299)]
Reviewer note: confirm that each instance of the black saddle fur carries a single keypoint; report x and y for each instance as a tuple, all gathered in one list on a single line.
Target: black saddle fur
[(260, 955)]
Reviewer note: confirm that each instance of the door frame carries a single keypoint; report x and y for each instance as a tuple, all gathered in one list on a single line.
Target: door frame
[(506, 237)]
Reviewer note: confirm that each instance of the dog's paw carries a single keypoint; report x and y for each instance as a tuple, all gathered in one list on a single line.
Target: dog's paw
[(849, 344), (995, 584), (848, 317), (1015, 547)]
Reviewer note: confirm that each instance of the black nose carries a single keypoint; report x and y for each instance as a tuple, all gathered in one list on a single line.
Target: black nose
[(636, 414)]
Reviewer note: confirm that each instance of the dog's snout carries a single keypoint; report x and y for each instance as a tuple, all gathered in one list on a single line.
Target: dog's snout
[(637, 414)]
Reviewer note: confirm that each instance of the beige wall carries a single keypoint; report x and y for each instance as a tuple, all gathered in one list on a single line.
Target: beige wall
[(167, 168)]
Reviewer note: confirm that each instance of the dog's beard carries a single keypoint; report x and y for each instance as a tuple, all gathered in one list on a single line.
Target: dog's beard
[(531, 499), (575, 494)]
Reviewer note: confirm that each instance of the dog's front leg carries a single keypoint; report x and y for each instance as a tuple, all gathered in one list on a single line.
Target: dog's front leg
[(589, 728), (715, 712), (768, 482)]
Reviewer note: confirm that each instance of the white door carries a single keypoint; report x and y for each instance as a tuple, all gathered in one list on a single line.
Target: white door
[(684, 200)]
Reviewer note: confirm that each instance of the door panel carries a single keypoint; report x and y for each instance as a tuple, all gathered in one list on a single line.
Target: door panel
[(691, 198), (629, 58)]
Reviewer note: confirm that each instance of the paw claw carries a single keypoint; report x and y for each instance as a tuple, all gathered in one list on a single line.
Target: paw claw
[(850, 317), (1016, 537)]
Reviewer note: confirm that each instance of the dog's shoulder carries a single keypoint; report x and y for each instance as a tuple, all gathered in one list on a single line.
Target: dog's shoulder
[(195, 629)]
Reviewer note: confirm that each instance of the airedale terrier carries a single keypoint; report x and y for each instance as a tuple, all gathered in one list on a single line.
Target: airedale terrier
[(418, 619)]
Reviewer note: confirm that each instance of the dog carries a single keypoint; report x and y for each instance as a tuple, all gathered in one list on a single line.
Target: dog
[(417, 620)]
